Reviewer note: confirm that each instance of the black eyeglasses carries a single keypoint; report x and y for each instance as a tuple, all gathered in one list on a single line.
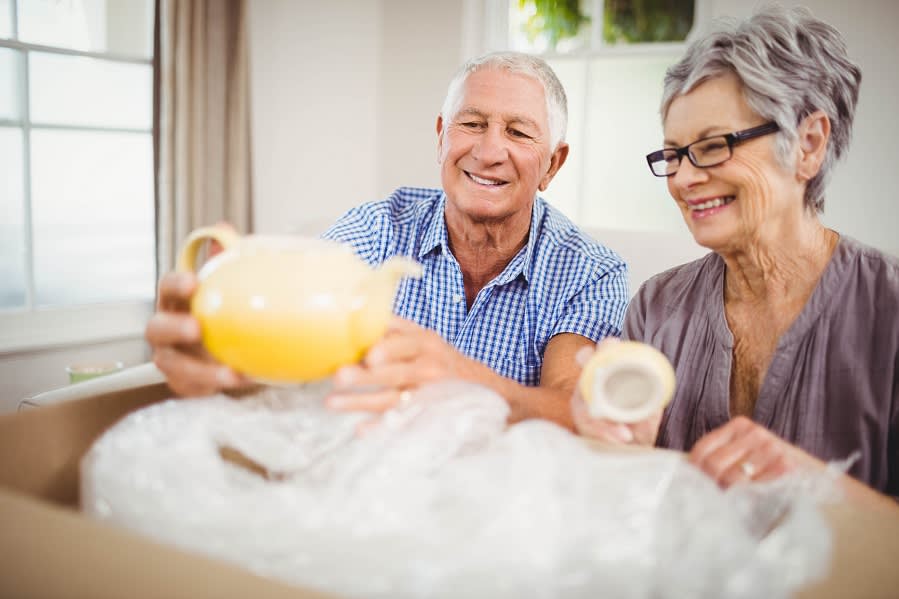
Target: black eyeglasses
[(706, 152)]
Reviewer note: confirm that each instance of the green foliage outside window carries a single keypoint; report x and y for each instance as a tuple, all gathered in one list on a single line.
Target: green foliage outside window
[(633, 21), (556, 19), (624, 21)]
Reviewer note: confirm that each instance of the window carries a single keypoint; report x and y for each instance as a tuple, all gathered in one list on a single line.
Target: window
[(611, 57), (77, 231)]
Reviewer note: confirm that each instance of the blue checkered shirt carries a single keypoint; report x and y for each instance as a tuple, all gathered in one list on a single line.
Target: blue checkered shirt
[(560, 282)]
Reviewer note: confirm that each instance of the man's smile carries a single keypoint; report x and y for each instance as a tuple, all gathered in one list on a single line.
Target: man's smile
[(489, 181)]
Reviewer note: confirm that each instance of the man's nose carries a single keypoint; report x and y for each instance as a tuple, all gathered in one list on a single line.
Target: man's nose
[(491, 146)]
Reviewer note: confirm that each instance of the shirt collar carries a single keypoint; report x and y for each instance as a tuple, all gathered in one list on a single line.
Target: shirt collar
[(436, 237), (435, 232)]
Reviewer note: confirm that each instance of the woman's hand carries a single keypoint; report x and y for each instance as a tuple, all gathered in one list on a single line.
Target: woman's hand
[(608, 431), (743, 450), (175, 338)]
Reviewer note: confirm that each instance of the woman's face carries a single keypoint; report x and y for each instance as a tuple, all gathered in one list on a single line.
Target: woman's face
[(730, 207)]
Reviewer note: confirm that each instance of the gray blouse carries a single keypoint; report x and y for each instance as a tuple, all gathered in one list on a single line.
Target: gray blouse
[(833, 383)]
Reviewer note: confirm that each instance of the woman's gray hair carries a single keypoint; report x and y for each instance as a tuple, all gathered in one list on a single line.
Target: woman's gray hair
[(790, 64), (515, 62)]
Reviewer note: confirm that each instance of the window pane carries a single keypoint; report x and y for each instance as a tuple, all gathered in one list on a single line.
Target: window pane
[(10, 69), (73, 90), (92, 209), (637, 21), (5, 18), (538, 27), (624, 126), (12, 220), (564, 190), (117, 26)]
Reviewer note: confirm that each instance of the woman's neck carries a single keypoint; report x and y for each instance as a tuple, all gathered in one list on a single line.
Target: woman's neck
[(779, 267)]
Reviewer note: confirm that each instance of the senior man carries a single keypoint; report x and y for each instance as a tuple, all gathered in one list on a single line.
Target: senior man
[(511, 289)]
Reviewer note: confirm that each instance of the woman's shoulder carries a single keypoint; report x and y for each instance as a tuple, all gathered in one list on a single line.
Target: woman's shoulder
[(687, 282), (866, 265)]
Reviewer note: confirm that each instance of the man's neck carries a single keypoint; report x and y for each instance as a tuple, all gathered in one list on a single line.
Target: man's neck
[(484, 249)]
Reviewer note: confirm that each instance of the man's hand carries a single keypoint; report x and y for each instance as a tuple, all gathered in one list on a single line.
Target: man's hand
[(175, 338), (407, 357)]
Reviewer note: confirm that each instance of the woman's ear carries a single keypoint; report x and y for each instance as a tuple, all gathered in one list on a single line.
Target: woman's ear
[(814, 135)]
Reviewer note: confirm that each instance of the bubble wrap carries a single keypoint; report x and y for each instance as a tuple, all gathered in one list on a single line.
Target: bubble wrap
[(442, 499)]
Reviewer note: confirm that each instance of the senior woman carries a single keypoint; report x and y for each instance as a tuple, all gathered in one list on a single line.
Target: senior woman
[(785, 338)]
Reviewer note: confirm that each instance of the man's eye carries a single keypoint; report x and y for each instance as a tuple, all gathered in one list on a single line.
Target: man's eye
[(517, 133), (472, 125)]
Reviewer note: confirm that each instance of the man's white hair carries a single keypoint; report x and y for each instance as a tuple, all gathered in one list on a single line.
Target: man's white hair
[(514, 62)]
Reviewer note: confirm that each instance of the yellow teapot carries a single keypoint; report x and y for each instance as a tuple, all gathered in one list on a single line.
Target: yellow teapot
[(288, 309)]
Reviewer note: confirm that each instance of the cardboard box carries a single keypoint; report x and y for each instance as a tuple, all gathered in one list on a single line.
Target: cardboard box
[(49, 549)]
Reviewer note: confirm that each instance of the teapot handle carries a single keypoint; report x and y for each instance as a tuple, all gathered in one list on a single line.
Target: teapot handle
[(187, 256)]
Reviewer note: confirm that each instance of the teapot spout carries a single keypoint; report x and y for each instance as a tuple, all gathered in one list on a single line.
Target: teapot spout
[(372, 315), (398, 267)]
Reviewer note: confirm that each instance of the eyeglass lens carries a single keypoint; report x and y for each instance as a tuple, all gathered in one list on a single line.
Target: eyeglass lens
[(703, 153)]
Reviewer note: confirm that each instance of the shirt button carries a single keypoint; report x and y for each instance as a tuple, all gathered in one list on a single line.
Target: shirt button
[(457, 297)]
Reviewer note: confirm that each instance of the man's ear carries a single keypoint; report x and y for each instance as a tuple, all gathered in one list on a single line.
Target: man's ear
[(555, 163), (439, 138), (814, 135)]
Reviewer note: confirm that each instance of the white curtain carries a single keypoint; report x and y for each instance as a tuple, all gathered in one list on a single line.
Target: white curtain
[(204, 165)]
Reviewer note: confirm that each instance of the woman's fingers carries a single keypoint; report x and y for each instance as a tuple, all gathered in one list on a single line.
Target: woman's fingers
[(647, 431), (740, 451), (599, 428)]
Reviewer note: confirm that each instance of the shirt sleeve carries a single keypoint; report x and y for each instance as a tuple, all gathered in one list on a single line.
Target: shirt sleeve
[(597, 311), (366, 229)]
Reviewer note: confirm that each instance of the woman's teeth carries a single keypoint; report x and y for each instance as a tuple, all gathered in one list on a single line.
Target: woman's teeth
[(712, 203)]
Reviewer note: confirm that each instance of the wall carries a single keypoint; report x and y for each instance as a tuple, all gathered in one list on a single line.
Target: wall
[(394, 67), (25, 374), (419, 52), (314, 73), (355, 121)]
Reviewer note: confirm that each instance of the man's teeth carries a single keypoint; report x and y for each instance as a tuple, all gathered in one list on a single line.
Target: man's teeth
[(477, 179), (712, 203)]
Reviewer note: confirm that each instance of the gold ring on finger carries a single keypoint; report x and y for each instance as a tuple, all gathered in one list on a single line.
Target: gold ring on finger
[(748, 469)]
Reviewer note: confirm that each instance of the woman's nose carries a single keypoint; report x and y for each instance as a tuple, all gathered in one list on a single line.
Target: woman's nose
[(688, 175)]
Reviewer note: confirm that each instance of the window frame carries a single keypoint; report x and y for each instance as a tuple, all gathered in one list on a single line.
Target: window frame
[(497, 36), (32, 328)]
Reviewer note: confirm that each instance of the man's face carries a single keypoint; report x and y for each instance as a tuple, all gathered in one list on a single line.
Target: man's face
[(495, 153)]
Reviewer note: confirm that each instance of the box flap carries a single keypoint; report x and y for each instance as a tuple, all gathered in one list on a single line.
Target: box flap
[(49, 551), (40, 448)]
